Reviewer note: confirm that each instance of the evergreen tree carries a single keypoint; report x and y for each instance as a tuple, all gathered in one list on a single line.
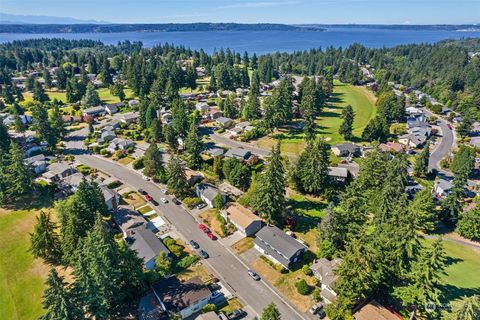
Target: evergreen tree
[(311, 172), (376, 130), (463, 162), (152, 161), (177, 183), (163, 264), (44, 239), (42, 125), (465, 126), (422, 211), (170, 137), (56, 123), (217, 166), (150, 116), (251, 108), (4, 137), (17, 122), (346, 127), (271, 313), (180, 118), (468, 308), (133, 284), (420, 168), (117, 90), (194, 147), (270, 198), (91, 98), (98, 279), (18, 176), (39, 93), (142, 114), (156, 131), (469, 224), (58, 301)]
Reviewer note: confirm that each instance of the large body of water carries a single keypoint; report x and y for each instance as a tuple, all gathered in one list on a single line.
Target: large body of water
[(265, 41)]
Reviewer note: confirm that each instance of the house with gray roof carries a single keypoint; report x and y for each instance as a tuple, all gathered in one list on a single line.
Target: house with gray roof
[(208, 193), (138, 238), (214, 152), (278, 246), (130, 117), (57, 171), (119, 144), (106, 136), (338, 174), (324, 270), (94, 111), (346, 149), (236, 153), (225, 122), (442, 188), (37, 163), (112, 108)]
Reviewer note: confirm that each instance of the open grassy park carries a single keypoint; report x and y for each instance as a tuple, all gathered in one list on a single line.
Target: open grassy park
[(21, 275), (360, 98), (103, 93)]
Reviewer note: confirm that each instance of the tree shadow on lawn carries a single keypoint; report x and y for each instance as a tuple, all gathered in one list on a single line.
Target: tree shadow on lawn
[(335, 97), (329, 114), (41, 199), (449, 293)]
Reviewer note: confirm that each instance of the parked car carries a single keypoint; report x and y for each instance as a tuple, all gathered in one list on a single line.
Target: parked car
[(449, 126), (141, 191), (176, 201), (211, 236), (194, 244), (321, 314), (148, 197), (254, 275), (154, 202), (201, 205), (316, 308), (235, 314), (146, 178), (202, 227), (164, 200), (164, 191), (203, 254)]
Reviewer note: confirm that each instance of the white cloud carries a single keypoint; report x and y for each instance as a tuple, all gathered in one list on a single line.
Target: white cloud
[(262, 4)]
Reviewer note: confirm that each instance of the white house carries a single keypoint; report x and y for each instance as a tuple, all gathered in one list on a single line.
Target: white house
[(324, 270)]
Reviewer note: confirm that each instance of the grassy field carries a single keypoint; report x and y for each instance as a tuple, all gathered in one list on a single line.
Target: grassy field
[(329, 121), (462, 276), (103, 93), (21, 275)]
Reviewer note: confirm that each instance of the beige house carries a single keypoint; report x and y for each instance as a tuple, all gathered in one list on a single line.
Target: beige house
[(242, 218)]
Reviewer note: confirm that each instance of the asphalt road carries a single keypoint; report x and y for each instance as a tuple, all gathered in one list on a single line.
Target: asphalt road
[(226, 265), (221, 140), (443, 148)]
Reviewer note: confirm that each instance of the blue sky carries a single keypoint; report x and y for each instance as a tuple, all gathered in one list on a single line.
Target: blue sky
[(250, 11)]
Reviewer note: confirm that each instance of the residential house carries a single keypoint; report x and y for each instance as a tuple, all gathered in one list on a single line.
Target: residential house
[(352, 167), (133, 103), (212, 315), (70, 183), (338, 174), (240, 154), (112, 198), (208, 193), (130, 117), (412, 141), (375, 310), (31, 149), (215, 114), (138, 238), (278, 246), (225, 122), (193, 176), (37, 163), (120, 144), (242, 218), (324, 270), (424, 131), (413, 111), (391, 147), (214, 152), (184, 298), (167, 118), (235, 131), (57, 171), (346, 149), (112, 108), (106, 136), (150, 309), (475, 142), (94, 111), (10, 119), (203, 107), (442, 188)]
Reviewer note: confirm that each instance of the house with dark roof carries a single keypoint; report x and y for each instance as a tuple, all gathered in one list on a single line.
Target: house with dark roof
[(37, 163), (57, 171), (138, 238), (208, 193), (338, 174), (112, 108), (225, 122), (346, 149), (278, 246), (324, 270), (183, 298), (94, 111), (236, 153)]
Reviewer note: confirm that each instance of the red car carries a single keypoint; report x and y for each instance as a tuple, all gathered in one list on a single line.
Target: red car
[(202, 227), (211, 236), (148, 197), (449, 126)]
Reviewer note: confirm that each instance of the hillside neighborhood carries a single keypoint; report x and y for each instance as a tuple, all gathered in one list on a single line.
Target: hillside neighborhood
[(225, 195)]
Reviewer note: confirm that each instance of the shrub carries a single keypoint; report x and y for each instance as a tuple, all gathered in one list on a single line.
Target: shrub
[(114, 184), (209, 307), (138, 164), (316, 295), (191, 202), (302, 287), (187, 261), (176, 249), (85, 170), (306, 270), (218, 201)]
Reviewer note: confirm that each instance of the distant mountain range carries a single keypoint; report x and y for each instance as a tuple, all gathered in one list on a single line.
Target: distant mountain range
[(6, 18)]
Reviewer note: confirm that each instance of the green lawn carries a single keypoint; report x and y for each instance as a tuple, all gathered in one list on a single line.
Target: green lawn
[(21, 276), (329, 121), (103, 93), (307, 206)]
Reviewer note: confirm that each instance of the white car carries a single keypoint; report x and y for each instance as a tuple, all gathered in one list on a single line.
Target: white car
[(164, 191), (164, 200), (146, 178)]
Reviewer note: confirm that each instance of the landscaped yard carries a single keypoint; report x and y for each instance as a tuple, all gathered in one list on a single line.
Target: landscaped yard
[(307, 206), (125, 160), (145, 209), (210, 218), (243, 245), (285, 283), (362, 102), (21, 276), (133, 198)]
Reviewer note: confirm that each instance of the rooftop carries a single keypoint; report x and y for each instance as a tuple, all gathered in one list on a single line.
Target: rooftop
[(374, 310), (241, 215)]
